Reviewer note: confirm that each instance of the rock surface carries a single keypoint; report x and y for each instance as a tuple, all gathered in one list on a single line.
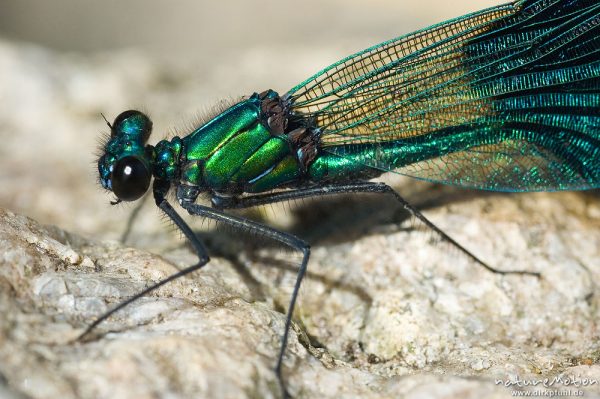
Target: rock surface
[(386, 310)]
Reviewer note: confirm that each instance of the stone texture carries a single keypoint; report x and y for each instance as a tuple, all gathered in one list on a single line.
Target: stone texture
[(386, 310)]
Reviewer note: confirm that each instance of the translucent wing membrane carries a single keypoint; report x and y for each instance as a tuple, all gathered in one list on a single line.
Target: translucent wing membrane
[(507, 99)]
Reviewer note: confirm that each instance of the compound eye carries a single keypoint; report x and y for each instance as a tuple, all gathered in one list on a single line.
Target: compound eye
[(130, 178)]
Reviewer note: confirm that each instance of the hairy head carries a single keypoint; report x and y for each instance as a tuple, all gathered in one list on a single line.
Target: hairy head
[(125, 166)]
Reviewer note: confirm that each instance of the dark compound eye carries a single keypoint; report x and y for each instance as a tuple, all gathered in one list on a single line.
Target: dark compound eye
[(132, 123), (130, 178)]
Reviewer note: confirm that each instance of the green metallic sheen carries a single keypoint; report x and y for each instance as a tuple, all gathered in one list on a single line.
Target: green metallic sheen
[(285, 172), (269, 154), (191, 173), (353, 161), (208, 138), (125, 147), (236, 152), (136, 127), (230, 157), (166, 158)]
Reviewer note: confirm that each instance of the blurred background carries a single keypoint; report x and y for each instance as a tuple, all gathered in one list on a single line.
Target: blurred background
[(195, 29)]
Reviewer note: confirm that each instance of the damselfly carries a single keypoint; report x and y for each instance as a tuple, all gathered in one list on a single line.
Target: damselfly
[(504, 99)]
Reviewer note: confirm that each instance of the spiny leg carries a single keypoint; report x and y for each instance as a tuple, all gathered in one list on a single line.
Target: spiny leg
[(359, 187), (186, 199), (160, 189)]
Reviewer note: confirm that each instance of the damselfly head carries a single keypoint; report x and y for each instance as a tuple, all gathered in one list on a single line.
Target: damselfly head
[(125, 166)]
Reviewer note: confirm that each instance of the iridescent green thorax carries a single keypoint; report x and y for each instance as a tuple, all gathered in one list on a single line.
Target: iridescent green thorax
[(246, 148)]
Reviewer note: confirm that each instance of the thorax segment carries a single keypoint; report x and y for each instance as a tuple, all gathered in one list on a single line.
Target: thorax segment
[(246, 148)]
